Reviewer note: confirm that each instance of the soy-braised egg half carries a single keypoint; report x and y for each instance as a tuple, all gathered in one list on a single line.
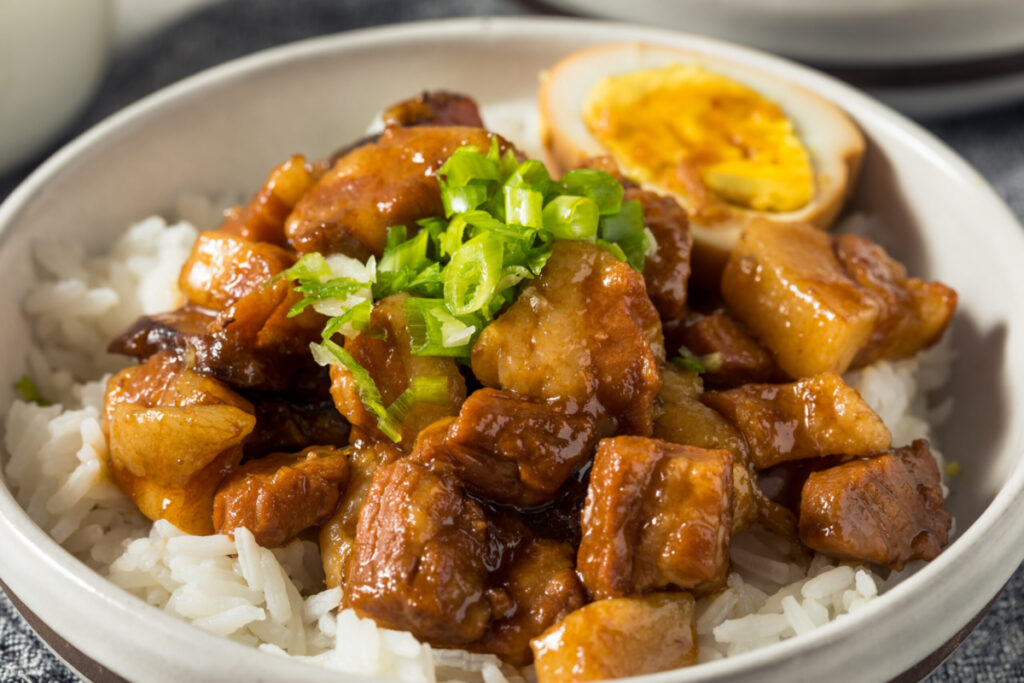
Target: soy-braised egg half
[(732, 144)]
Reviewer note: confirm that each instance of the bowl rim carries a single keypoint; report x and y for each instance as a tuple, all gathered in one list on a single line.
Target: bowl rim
[(997, 520)]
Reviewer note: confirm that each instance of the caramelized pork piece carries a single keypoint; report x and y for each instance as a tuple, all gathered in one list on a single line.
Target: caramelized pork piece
[(280, 495), (667, 270), (740, 358), (536, 589), (824, 304), (510, 449), (223, 268), (914, 314), (383, 183), (174, 436), (684, 419), (657, 514), (786, 285), (584, 331), (287, 425), (817, 416), (188, 333), (437, 108), (607, 163), (262, 220), (385, 351), (418, 563), (618, 638), (338, 534), (885, 509)]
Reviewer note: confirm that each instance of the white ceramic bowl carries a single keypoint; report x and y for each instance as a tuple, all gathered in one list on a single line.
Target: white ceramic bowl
[(222, 130)]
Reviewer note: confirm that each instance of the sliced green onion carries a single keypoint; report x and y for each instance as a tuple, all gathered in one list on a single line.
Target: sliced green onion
[(29, 392), (396, 413), (431, 389), (571, 218), (524, 207), (598, 186), (351, 322), (330, 353), (435, 331), (471, 278), (459, 199), (626, 228)]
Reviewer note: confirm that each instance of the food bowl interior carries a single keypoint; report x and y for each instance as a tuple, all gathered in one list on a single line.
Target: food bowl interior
[(221, 134)]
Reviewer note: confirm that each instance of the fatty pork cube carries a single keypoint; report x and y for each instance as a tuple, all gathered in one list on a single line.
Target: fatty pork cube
[(262, 219), (436, 108), (387, 182), (787, 286), (914, 313), (513, 450), (657, 514), (230, 274), (537, 588), (583, 331), (338, 533), (280, 495), (389, 359), (418, 563), (617, 638), (816, 416), (683, 419), (885, 509), (174, 436), (667, 270), (740, 357)]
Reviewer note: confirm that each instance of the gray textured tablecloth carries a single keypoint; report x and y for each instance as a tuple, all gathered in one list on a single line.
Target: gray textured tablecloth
[(993, 142)]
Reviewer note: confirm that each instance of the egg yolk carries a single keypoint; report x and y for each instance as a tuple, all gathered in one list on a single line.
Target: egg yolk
[(703, 136)]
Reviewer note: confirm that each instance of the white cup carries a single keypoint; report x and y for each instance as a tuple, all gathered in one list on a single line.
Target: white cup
[(52, 57)]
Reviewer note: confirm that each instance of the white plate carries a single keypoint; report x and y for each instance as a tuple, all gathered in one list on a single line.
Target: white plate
[(219, 132), (927, 58)]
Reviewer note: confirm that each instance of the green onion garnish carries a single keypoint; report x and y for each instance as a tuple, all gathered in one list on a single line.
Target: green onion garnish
[(29, 392), (501, 218)]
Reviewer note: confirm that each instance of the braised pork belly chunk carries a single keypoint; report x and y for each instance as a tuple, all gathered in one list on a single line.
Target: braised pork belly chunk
[(174, 436), (657, 514), (584, 332), (386, 354), (262, 219), (511, 449), (885, 509), (418, 562), (280, 495), (619, 637), (735, 357), (434, 108), (667, 269), (383, 183), (817, 416), (824, 304)]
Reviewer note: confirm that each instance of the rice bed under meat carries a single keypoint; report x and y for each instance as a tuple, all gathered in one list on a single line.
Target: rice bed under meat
[(274, 599)]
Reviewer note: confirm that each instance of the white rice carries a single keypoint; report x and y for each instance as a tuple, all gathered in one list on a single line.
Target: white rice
[(273, 599)]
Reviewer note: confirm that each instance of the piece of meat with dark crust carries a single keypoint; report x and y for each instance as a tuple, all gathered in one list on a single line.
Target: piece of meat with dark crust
[(510, 449), (280, 495), (535, 589), (667, 269), (585, 332), (739, 357), (434, 108), (418, 563), (885, 509), (657, 515)]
